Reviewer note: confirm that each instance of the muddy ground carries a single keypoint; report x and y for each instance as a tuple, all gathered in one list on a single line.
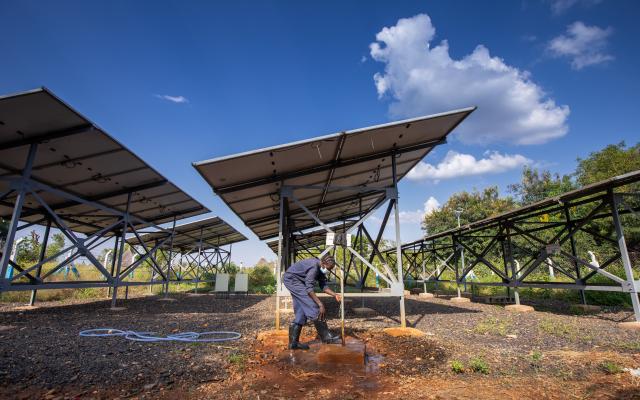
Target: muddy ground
[(470, 351)]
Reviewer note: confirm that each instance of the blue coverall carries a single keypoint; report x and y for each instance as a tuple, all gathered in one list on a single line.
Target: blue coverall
[(300, 279)]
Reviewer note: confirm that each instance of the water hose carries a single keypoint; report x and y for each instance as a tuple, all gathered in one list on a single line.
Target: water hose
[(188, 337)]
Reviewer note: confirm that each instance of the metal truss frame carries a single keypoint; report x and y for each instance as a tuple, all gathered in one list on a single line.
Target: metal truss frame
[(547, 237), (117, 224), (358, 259)]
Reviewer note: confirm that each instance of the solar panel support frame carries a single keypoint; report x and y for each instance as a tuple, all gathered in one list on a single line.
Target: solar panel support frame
[(123, 223), (441, 252), (285, 237)]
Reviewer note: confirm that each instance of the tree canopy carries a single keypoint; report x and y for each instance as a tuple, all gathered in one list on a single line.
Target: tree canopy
[(534, 185)]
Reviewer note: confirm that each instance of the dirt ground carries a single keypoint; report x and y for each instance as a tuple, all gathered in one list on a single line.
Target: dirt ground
[(470, 351)]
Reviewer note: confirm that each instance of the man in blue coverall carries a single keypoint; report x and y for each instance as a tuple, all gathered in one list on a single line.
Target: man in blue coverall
[(301, 279)]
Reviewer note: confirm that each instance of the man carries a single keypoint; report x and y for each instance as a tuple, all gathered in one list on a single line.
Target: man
[(301, 279)]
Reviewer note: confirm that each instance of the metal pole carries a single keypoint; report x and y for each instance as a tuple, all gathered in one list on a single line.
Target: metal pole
[(169, 262), (624, 256), (123, 238), (403, 322), (572, 241), (199, 263), (15, 216), (113, 262), (458, 213), (43, 251), (279, 263), (344, 260)]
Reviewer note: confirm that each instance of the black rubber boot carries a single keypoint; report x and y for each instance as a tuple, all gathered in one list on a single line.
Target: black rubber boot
[(325, 334), (294, 337)]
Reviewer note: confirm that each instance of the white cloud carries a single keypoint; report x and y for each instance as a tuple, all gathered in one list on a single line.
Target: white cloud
[(173, 99), (584, 45), (416, 217), (560, 6), (456, 165), (423, 79)]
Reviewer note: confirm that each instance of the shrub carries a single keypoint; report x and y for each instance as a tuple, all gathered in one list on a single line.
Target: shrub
[(457, 367), (478, 364), (610, 367)]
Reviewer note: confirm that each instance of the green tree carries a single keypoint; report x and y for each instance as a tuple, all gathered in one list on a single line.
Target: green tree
[(538, 185), (56, 243), (475, 206), (613, 160)]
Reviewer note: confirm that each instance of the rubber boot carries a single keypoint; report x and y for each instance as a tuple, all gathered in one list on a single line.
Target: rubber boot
[(294, 337), (325, 334)]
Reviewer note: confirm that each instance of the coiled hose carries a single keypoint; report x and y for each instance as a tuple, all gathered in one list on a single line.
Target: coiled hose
[(189, 337)]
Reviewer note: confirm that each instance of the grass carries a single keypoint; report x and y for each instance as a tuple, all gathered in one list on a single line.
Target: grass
[(493, 326), (610, 367), (478, 364), (238, 359), (562, 329), (536, 356), (457, 367)]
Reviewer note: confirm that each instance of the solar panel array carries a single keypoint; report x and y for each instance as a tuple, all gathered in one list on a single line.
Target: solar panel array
[(76, 156), (249, 183)]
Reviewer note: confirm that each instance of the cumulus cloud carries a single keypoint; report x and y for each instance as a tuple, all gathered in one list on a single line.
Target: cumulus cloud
[(560, 6), (423, 79), (173, 99), (416, 217), (455, 165), (584, 45)]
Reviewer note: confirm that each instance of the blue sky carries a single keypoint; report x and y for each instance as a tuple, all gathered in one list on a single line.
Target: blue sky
[(180, 81)]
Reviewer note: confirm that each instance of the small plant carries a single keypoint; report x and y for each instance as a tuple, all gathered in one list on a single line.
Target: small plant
[(478, 364), (610, 367), (492, 326), (238, 360), (457, 367), (536, 356)]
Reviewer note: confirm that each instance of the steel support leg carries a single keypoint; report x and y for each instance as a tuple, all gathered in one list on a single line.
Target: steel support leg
[(624, 256), (15, 217), (43, 252), (403, 319), (123, 239)]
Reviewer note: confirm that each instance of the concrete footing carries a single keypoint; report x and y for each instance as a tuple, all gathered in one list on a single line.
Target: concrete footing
[(274, 337), (426, 295), (587, 308), (460, 300), (117, 308), (352, 353), (520, 308), (363, 311), (403, 332), (635, 325), (25, 308), (166, 299)]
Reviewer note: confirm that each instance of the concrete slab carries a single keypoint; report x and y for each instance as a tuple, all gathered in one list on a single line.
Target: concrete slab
[(403, 332), (363, 311), (426, 295), (166, 299), (634, 325), (352, 353), (460, 300), (520, 308), (117, 308)]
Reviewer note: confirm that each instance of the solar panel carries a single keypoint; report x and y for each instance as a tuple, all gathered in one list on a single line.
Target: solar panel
[(214, 232), (78, 157), (249, 183)]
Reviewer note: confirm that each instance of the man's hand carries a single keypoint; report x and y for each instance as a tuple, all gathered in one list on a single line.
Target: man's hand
[(338, 298), (322, 313)]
